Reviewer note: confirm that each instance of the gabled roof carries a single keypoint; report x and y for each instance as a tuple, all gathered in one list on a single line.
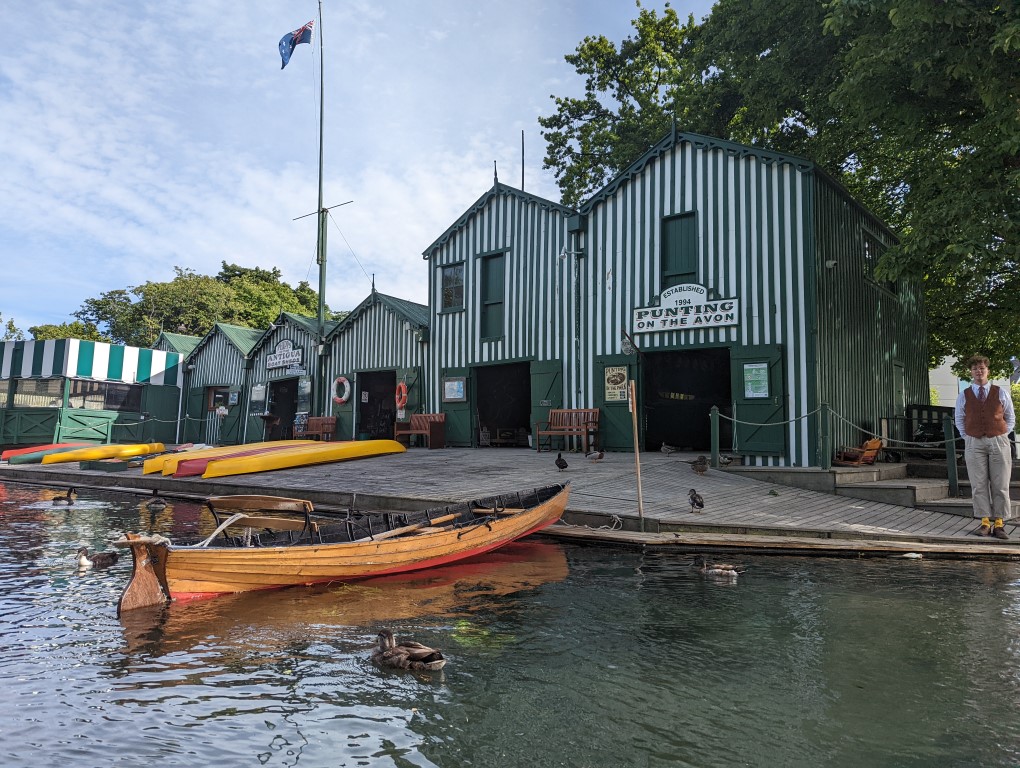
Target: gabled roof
[(415, 314), (244, 339), (702, 142), (483, 201), (181, 343)]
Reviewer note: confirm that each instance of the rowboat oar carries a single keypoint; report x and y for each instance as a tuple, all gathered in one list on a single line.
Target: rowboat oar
[(408, 528)]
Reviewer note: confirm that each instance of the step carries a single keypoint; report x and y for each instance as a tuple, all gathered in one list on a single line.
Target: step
[(1014, 490), (906, 492), (962, 507)]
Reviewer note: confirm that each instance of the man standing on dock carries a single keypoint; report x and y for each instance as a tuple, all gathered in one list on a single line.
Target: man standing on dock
[(985, 416)]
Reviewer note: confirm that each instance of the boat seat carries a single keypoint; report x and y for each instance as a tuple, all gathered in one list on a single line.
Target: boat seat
[(297, 528)]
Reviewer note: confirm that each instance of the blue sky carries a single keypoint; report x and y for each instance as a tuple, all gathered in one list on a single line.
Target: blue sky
[(136, 137)]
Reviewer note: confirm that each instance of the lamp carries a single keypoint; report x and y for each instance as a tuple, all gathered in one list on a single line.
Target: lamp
[(829, 264)]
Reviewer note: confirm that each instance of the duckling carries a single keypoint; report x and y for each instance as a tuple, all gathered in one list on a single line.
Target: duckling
[(406, 655), (697, 503), (67, 499), (99, 560), (155, 504), (700, 465), (561, 462)]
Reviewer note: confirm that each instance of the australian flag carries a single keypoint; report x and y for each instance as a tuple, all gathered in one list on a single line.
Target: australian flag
[(291, 39)]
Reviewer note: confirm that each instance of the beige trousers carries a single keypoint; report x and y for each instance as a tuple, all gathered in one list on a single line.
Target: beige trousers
[(989, 465)]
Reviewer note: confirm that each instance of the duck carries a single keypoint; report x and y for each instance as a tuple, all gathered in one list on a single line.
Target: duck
[(668, 449), (65, 500), (595, 456), (98, 560), (406, 655), (727, 570), (700, 465), (155, 504), (561, 462), (725, 461), (697, 503)]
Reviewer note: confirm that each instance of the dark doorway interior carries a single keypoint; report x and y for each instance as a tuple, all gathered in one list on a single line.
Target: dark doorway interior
[(282, 405), (376, 403), (680, 389), (504, 404)]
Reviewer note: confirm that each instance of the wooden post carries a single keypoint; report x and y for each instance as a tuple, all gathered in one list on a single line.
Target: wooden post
[(714, 420), (825, 440), (950, 435), (632, 404)]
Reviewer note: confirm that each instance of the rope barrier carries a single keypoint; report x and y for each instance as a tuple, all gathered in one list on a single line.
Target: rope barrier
[(768, 423)]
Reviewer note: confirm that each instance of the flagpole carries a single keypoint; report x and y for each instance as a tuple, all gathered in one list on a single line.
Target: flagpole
[(320, 246)]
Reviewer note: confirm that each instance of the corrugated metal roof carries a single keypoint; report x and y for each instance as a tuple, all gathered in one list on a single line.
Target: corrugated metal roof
[(416, 314), (240, 336), (178, 342), (480, 203)]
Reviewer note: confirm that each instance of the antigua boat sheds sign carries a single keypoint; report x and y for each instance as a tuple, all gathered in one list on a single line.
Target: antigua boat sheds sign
[(284, 356), (683, 307)]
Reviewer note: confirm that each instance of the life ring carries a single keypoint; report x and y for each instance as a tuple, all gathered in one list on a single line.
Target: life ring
[(401, 395), (341, 381)]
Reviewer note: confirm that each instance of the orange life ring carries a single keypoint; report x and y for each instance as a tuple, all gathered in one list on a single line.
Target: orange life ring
[(345, 395), (401, 395)]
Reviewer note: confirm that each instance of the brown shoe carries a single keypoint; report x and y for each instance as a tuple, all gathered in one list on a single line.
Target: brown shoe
[(999, 532), (984, 530)]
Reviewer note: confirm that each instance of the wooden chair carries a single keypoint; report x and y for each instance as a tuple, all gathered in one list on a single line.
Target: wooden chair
[(859, 457)]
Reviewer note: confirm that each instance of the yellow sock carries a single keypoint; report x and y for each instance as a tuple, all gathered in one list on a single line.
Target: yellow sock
[(999, 523), (985, 521)]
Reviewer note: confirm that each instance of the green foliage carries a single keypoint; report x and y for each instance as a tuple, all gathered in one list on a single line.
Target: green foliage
[(933, 395), (911, 104), (11, 331), (73, 330)]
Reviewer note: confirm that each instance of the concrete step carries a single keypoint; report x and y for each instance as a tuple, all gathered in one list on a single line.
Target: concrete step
[(906, 492), (962, 507), (965, 486)]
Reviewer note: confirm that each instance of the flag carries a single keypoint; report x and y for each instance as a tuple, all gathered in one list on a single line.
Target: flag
[(291, 39)]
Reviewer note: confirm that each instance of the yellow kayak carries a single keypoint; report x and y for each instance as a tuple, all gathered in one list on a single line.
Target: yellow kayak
[(104, 452), (168, 464), (301, 456)]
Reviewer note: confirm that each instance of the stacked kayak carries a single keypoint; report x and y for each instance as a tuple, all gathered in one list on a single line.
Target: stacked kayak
[(95, 453), (35, 454), (167, 464), (301, 456)]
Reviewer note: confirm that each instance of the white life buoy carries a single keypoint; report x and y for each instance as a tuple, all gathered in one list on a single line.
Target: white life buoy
[(341, 396)]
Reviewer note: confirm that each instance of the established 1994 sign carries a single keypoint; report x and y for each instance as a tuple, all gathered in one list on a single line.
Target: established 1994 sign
[(683, 307)]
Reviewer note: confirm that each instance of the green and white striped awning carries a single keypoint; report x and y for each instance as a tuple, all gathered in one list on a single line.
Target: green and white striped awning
[(79, 359)]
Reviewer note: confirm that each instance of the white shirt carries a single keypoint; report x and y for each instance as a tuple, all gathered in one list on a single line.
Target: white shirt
[(1007, 406)]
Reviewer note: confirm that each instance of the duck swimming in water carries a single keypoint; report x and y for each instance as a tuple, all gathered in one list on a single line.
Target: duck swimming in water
[(726, 570), (65, 500), (98, 560), (155, 504), (406, 655)]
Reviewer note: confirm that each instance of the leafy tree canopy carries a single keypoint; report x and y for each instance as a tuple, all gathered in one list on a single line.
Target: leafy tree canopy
[(10, 330), (913, 104), (73, 330)]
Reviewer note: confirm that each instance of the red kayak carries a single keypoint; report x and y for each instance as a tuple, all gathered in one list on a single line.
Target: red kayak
[(196, 466), (49, 447)]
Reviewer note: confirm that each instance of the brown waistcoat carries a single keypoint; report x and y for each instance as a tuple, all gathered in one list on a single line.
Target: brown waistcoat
[(984, 419)]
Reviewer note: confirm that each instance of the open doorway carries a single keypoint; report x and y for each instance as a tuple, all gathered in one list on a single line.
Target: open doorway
[(377, 406), (680, 388), (504, 404), (283, 400)]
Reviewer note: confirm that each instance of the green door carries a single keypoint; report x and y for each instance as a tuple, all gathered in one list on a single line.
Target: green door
[(759, 397), (456, 394), (194, 420), (613, 374), (415, 382), (344, 387), (546, 389)]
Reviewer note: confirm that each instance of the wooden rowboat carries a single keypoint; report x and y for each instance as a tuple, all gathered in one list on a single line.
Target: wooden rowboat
[(267, 542)]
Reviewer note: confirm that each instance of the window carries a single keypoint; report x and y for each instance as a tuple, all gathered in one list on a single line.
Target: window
[(453, 287), (873, 250), (38, 393), (679, 260), (105, 396), (491, 316), (5, 388), (216, 397)]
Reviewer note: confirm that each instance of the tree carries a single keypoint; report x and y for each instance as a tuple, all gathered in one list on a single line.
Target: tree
[(73, 330), (11, 331), (912, 104)]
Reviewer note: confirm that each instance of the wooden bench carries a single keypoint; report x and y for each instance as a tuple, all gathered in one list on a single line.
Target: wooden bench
[(568, 422), (432, 426), (319, 427)]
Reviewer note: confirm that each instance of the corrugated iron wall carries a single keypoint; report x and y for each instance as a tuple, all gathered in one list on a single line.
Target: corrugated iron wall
[(218, 363)]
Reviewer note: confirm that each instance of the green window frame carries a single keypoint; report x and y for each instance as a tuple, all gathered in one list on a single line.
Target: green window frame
[(491, 301), (38, 393), (451, 280), (679, 255)]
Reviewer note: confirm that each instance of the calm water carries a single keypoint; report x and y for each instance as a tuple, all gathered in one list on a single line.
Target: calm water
[(559, 656)]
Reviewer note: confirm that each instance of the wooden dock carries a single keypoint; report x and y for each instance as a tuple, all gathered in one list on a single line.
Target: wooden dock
[(741, 512)]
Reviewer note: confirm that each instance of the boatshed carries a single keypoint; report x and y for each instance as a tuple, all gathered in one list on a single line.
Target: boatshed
[(376, 363), (61, 390), (503, 297), (708, 273)]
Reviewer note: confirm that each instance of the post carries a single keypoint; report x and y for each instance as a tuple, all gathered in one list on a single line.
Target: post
[(825, 437), (950, 435), (637, 453), (713, 416)]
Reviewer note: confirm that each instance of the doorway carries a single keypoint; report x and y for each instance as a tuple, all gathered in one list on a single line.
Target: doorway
[(680, 388), (283, 398), (504, 404), (377, 405)]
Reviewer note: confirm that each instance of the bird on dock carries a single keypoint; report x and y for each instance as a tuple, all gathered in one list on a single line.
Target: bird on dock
[(773, 492), (700, 465), (726, 570), (561, 462), (66, 500), (725, 461), (155, 504), (98, 560), (594, 456), (406, 655), (697, 503), (668, 449)]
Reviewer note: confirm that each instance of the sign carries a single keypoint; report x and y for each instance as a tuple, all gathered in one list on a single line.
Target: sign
[(616, 383), (756, 381), (455, 389), (686, 307), (285, 356)]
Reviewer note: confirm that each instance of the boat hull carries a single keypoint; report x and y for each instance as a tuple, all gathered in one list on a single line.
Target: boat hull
[(113, 451), (301, 456), (168, 464), (11, 452), (36, 457), (188, 573), (192, 467)]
